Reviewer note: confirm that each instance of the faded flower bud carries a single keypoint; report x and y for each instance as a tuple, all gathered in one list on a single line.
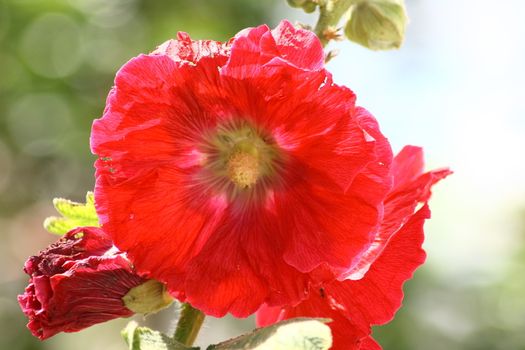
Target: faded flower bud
[(307, 5), (377, 24), (79, 281)]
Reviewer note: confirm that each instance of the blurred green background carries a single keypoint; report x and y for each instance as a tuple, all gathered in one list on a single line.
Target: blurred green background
[(456, 87)]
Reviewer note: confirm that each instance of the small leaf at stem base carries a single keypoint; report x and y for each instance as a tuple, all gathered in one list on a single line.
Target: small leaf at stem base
[(73, 215)]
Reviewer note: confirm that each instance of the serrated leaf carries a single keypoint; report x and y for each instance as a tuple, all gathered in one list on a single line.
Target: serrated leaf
[(73, 215), (293, 334), (143, 338)]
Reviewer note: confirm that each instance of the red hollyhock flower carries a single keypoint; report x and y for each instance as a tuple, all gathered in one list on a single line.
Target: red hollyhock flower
[(75, 283), (232, 171), (376, 293)]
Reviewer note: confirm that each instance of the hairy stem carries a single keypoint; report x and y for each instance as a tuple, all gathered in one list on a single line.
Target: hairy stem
[(190, 322), (331, 12)]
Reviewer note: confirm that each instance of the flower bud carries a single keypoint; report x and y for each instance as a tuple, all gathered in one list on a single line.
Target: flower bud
[(307, 5), (77, 282), (377, 24)]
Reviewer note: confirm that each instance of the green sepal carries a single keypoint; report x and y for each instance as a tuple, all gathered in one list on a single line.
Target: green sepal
[(293, 334), (148, 297), (73, 215), (144, 338)]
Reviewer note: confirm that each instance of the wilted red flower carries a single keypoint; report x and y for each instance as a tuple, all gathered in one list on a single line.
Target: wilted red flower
[(372, 292), (232, 171), (75, 283)]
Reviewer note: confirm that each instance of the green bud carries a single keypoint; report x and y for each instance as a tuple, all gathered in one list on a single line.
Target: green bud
[(307, 5), (149, 297), (377, 24)]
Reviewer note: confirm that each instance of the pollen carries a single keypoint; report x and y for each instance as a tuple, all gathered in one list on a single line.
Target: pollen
[(243, 168), (240, 161)]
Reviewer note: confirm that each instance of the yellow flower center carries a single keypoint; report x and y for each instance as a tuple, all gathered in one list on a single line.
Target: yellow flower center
[(243, 166), (240, 160)]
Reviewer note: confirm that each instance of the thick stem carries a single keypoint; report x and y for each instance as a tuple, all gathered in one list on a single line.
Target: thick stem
[(331, 12), (190, 322)]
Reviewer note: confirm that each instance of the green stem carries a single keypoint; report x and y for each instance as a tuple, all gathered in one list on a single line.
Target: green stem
[(331, 12), (189, 324)]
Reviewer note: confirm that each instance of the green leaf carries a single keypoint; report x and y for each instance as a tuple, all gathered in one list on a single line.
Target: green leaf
[(293, 334), (73, 215), (143, 338)]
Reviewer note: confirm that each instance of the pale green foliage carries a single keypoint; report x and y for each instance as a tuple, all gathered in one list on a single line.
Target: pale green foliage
[(73, 215), (294, 334), (143, 338)]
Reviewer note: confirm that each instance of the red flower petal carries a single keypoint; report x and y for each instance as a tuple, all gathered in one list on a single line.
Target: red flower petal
[(300, 47), (237, 259), (268, 315), (185, 50), (356, 305), (148, 159), (408, 165), (369, 344), (255, 48), (410, 188)]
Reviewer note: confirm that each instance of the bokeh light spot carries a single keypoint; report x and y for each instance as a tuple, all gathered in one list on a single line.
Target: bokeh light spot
[(6, 165), (38, 122), (52, 45)]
